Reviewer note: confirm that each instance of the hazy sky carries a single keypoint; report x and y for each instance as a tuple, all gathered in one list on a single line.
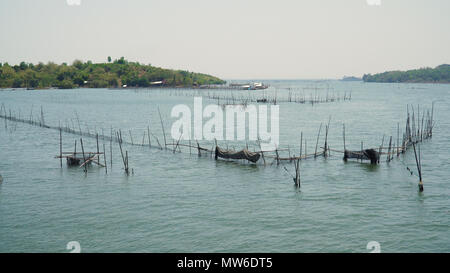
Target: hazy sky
[(232, 38)]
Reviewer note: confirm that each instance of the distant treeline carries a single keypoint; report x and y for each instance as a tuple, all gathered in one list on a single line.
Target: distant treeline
[(440, 74), (115, 73)]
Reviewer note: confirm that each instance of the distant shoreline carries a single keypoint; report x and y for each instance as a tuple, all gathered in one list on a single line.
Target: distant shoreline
[(218, 87), (113, 74), (439, 75)]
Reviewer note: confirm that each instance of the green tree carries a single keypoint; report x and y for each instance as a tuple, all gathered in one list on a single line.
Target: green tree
[(78, 64), (121, 60), (23, 66)]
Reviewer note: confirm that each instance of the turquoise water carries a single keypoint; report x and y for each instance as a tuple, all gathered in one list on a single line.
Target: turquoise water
[(179, 202)]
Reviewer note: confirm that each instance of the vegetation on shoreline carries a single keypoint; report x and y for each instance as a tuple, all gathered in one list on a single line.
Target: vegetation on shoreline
[(440, 74), (351, 79), (117, 73)]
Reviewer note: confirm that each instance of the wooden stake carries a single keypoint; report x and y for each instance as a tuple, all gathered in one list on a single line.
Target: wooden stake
[(317, 142), (131, 137), (389, 150), (398, 139), (326, 137), (84, 158), (121, 151), (419, 168), (362, 149), (297, 173), (110, 148), (278, 157), (343, 133), (301, 144), (98, 150), (126, 164), (198, 147), (174, 150), (382, 143), (306, 149), (60, 146), (326, 145), (143, 138), (162, 125), (104, 156), (149, 140)]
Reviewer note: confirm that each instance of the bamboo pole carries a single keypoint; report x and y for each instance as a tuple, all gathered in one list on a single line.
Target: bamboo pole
[(362, 150), (143, 138), (432, 113), (343, 133), (306, 148), (157, 141), (389, 151), (326, 143), (421, 130), (131, 137), (126, 160), (98, 149), (278, 157), (381, 147), (326, 137), (301, 143), (419, 168), (60, 146), (121, 151), (42, 116), (198, 147), (84, 157), (104, 156), (110, 149), (398, 139), (297, 173), (317, 142), (149, 139), (162, 125), (178, 142)]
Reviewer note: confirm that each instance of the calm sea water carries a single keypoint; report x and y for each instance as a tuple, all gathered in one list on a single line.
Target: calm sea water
[(184, 203)]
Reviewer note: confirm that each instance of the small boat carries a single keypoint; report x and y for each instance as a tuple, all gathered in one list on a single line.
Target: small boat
[(254, 86)]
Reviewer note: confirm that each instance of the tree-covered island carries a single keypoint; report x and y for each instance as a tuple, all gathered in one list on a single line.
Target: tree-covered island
[(117, 73), (439, 74)]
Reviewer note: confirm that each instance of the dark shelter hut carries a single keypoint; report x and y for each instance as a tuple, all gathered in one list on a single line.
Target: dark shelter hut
[(368, 154), (243, 154)]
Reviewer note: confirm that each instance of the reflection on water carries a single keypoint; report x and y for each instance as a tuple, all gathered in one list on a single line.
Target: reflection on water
[(365, 165)]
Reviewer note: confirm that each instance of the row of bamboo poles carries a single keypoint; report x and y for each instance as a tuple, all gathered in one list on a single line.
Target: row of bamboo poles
[(413, 134), (116, 136), (419, 127), (244, 98), (76, 129)]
